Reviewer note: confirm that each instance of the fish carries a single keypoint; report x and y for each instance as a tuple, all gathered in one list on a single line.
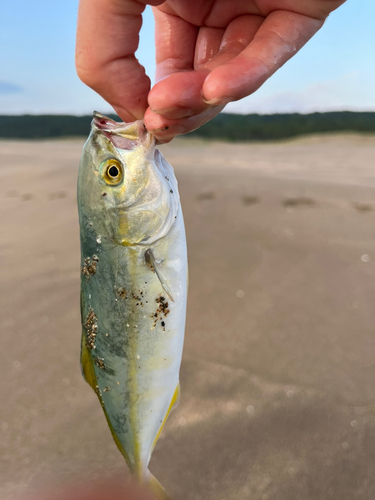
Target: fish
[(134, 282)]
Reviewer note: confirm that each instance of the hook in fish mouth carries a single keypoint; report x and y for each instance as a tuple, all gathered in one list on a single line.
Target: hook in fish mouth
[(122, 135)]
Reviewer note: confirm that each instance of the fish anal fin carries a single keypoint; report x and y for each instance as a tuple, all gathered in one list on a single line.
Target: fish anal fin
[(150, 260), (173, 404)]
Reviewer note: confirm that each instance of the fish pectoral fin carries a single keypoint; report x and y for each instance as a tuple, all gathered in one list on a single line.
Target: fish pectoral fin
[(156, 487), (166, 288), (150, 260)]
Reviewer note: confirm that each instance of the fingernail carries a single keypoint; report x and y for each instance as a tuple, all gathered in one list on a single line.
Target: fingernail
[(218, 101), (174, 113)]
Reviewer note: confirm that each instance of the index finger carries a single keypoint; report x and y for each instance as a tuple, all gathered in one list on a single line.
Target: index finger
[(278, 39), (107, 39)]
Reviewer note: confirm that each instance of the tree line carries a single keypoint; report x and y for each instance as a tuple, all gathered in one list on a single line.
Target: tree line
[(229, 127)]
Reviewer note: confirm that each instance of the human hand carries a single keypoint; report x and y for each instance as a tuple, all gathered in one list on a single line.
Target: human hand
[(208, 53)]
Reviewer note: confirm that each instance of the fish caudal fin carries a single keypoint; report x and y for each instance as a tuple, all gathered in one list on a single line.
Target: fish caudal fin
[(156, 488)]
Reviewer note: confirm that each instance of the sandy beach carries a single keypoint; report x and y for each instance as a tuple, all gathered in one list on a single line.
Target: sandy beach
[(278, 372)]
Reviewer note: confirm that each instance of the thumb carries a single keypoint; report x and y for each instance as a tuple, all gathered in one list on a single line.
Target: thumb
[(107, 39)]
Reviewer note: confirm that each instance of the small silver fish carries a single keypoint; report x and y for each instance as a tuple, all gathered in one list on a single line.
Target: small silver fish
[(133, 285)]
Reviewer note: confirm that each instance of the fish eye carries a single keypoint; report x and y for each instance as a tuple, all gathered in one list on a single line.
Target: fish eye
[(112, 171)]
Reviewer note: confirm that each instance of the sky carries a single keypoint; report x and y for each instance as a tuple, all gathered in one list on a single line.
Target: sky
[(334, 71)]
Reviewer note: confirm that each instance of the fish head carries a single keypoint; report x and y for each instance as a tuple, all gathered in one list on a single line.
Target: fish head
[(125, 186)]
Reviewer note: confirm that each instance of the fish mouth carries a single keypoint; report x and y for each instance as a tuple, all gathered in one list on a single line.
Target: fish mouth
[(122, 135)]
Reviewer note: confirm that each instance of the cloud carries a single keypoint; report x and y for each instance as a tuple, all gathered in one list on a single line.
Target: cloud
[(350, 92), (9, 88)]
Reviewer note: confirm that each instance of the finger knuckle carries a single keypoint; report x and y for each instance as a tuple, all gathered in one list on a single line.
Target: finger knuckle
[(88, 72)]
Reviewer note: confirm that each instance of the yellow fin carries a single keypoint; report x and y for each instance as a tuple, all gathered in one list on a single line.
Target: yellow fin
[(88, 372), (118, 442), (173, 404), (87, 365), (157, 488)]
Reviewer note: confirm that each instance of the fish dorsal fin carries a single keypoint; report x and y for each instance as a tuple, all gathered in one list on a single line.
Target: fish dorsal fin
[(87, 366), (88, 372), (150, 260)]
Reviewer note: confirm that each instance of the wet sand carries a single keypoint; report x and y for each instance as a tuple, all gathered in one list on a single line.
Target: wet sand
[(278, 373)]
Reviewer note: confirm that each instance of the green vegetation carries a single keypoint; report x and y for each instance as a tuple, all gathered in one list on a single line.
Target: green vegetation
[(224, 126), (282, 126), (43, 126)]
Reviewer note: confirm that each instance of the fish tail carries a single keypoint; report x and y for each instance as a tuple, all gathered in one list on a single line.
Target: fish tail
[(156, 488)]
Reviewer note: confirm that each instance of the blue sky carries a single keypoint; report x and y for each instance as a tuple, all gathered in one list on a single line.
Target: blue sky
[(334, 71)]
